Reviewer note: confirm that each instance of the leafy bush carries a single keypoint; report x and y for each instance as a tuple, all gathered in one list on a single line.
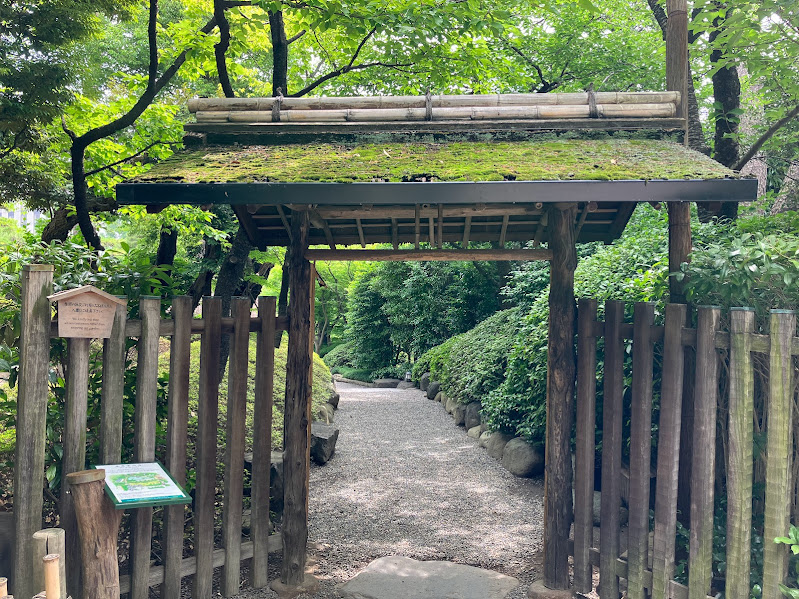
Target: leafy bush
[(354, 373), (391, 372), (434, 361), (341, 355)]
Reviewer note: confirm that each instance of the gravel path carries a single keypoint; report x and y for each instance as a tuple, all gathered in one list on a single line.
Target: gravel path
[(406, 481)]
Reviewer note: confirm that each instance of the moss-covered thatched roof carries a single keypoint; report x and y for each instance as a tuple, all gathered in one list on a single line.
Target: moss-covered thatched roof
[(535, 160)]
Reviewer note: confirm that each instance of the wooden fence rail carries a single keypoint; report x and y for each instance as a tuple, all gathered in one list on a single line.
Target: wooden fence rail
[(648, 565), (150, 329)]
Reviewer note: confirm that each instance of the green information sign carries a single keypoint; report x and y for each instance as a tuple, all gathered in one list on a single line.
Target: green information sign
[(141, 485)]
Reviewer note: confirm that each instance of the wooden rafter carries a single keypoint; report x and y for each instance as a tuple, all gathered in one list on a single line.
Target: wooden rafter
[(542, 225), (417, 225), (320, 223), (426, 255), (245, 218), (431, 233), (467, 229), (440, 241), (394, 234), (503, 233), (360, 232), (284, 219)]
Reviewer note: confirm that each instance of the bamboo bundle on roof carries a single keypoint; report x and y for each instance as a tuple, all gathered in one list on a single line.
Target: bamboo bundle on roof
[(199, 105)]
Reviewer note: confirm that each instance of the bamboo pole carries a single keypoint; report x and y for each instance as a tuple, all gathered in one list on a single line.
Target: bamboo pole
[(50, 541), (52, 576), (3, 587), (34, 354)]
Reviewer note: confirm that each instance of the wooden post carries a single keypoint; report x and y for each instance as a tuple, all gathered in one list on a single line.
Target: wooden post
[(3, 587), (207, 414), (586, 446), (262, 441), (113, 390), (49, 541), (612, 416), (141, 530), (680, 247), (560, 390), (295, 460), (177, 429), (703, 471), (33, 390), (74, 459), (52, 576), (98, 523), (677, 52), (740, 469), (311, 333), (234, 446), (668, 460), (779, 449), (640, 449)]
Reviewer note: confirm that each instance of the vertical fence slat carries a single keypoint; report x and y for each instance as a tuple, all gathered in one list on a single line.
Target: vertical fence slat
[(668, 451), (141, 529), (262, 441), (640, 448), (704, 453), (74, 458), (177, 431), (207, 414), (585, 446), (611, 450), (740, 469), (34, 359), (779, 449), (113, 390), (234, 446)]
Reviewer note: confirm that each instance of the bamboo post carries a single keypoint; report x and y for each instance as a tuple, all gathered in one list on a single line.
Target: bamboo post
[(560, 390), (177, 431), (207, 414), (34, 356), (295, 461), (640, 449), (234, 446), (49, 541), (3, 587), (52, 576), (779, 449), (74, 458), (98, 524), (585, 446), (262, 441), (612, 416), (113, 390), (704, 454), (677, 51), (141, 530), (740, 469), (668, 460)]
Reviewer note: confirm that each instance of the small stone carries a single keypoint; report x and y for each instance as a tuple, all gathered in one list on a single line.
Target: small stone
[(522, 459), (424, 382), (438, 396), (432, 389), (496, 444), (386, 383), (484, 437), (406, 385), (333, 401), (323, 442), (472, 417), (474, 432), (459, 414)]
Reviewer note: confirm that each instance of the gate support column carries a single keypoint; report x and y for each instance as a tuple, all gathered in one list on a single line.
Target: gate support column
[(561, 367), (293, 579), (34, 360)]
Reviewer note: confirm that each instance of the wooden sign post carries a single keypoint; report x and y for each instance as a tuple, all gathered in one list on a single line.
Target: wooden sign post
[(86, 312)]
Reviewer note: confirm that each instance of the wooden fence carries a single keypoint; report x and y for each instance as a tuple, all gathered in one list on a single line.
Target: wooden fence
[(648, 565), (150, 330)]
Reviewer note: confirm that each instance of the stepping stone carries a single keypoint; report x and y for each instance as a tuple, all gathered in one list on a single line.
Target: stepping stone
[(397, 577)]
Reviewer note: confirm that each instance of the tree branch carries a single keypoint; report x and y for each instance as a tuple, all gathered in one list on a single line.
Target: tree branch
[(131, 157), (295, 37), (221, 48), (765, 137), (347, 69)]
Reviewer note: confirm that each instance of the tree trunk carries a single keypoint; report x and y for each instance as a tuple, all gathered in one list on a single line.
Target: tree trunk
[(280, 54), (167, 247), (283, 298), (80, 192), (220, 49), (788, 197)]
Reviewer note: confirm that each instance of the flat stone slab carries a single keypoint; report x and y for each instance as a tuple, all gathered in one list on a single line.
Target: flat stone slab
[(397, 577)]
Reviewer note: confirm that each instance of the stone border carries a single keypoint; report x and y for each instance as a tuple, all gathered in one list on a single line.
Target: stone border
[(340, 379)]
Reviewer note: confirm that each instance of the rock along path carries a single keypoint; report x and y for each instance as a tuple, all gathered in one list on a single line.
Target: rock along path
[(406, 481)]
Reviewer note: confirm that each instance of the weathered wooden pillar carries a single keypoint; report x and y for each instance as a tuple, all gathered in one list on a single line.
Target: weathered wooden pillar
[(34, 357), (677, 52), (296, 422), (561, 368)]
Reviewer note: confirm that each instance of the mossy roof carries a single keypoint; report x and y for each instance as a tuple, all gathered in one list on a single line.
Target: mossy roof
[(551, 160)]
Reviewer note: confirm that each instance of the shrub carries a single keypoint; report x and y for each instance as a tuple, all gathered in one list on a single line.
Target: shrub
[(340, 355), (434, 361)]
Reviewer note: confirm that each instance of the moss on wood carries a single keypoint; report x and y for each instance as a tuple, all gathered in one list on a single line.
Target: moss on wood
[(571, 159)]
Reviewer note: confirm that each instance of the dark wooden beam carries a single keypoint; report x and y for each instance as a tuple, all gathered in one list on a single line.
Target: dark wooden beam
[(245, 219), (417, 225), (426, 255), (539, 233), (394, 234), (284, 219), (621, 219), (320, 223), (360, 232), (467, 229), (295, 461), (409, 212), (504, 232), (561, 367), (431, 233), (440, 241)]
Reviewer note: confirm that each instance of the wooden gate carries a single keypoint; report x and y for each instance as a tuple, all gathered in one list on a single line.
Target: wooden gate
[(150, 330), (648, 565)]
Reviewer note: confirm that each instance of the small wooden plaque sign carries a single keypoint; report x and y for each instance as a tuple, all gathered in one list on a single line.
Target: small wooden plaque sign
[(86, 312)]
